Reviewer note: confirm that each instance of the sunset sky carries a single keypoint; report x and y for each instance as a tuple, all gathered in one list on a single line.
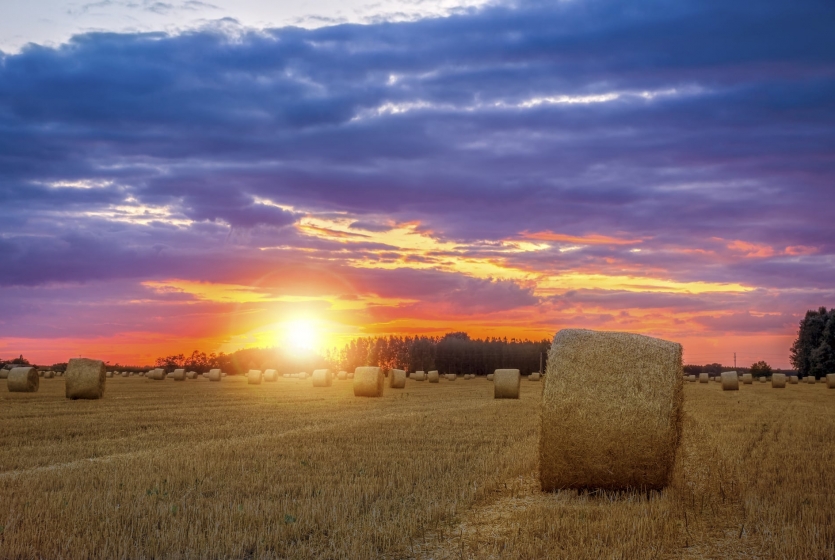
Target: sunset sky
[(219, 175)]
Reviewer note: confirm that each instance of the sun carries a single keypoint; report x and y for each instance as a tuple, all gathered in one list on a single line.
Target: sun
[(301, 334)]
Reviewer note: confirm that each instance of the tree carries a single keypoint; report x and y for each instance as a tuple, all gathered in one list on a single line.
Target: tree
[(813, 352), (760, 369)]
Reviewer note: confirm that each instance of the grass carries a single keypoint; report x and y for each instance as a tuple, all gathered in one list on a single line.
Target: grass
[(278, 470)]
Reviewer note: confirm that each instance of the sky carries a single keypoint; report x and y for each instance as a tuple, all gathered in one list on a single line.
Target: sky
[(213, 176)]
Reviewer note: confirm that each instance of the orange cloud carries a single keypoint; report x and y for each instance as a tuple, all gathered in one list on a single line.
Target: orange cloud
[(592, 239), (752, 250)]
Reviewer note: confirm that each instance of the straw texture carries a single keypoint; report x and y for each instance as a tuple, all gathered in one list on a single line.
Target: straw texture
[(506, 384), (369, 382), (322, 378), (730, 381), (397, 379), (611, 411), (433, 377), (23, 380), (85, 379)]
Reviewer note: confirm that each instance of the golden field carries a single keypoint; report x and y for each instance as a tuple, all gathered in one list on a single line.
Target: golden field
[(283, 470)]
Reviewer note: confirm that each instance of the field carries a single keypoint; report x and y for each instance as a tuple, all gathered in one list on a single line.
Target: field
[(282, 470)]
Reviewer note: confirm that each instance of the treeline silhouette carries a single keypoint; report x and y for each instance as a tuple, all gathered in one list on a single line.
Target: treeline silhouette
[(813, 352)]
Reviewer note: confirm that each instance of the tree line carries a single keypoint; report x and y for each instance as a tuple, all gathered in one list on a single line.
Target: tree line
[(813, 352)]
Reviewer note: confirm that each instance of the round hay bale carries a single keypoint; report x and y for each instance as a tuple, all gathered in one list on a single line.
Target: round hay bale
[(158, 375), (191, 375), (762, 379), (792, 380), (85, 379), (489, 377), (778, 381), (534, 376), (691, 378), (747, 379), (611, 411), (178, 375), (451, 377), (253, 377), (342, 375), (350, 375), (506, 384), (215, 375), (369, 382), (302, 375), (397, 379), (830, 380), (23, 380), (109, 374), (48, 374), (322, 378), (433, 377), (812, 380), (4, 373), (703, 378), (270, 375), (40, 373), (730, 381), (419, 376)]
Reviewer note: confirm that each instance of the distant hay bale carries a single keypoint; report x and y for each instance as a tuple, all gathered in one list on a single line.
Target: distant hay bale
[(792, 380), (419, 376), (4, 373), (157, 374), (350, 375), (691, 378), (342, 375), (397, 379), (23, 380), (433, 377), (747, 379), (322, 378), (224, 374), (178, 375), (191, 374), (778, 381), (109, 374), (451, 377), (85, 379), (762, 379), (730, 381), (48, 374), (302, 375), (611, 411), (506, 384), (40, 373), (215, 375), (125, 374), (369, 382), (534, 376), (253, 377), (270, 375), (703, 378), (830, 380), (489, 377), (812, 379)]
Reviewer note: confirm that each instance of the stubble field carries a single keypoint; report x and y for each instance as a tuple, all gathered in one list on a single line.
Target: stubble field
[(283, 470)]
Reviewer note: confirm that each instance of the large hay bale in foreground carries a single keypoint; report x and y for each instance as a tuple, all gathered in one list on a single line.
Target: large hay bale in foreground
[(270, 375), (830, 380), (730, 381), (433, 377), (747, 379), (703, 378), (369, 382), (322, 378), (778, 381), (253, 377), (397, 379), (85, 378), (215, 375), (611, 411), (178, 375), (419, 376), (23, 380), (506, 383)]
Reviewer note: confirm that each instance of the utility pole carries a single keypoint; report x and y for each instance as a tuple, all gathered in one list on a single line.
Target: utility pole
[(734, 360), (540, 364)]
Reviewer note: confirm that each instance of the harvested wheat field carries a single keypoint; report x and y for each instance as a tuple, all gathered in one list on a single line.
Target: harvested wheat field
[(283, 470)]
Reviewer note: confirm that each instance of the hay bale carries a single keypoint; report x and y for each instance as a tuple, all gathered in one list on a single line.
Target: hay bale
[(350, 375), (506, 383), (611, 411), (342, 375), (178, 375), (489, 377), (85, 379), (792, 380), (157, 374), (397, 379), (302, 375), (215, 375), (369, 382), (747, 379), (830, 380), (433, 376), (419, 376), (23, 380), (534, 376), (730, 381), (703, 378), (270, 375), (451, 377), (4, 373), (812, 379), (191, 375), (48, 374), (109, 374), (253, 377), (125, 374), (322, 378), (691, 378), (778, 381), (762, 379)]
